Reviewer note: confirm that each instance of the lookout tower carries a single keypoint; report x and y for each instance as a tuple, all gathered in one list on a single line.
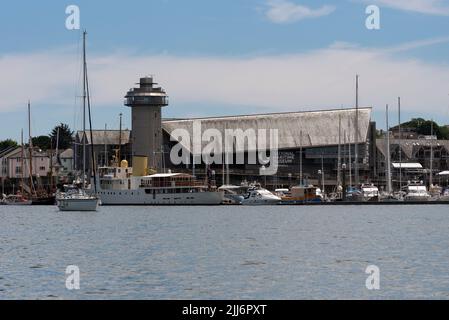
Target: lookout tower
[(146, 102)]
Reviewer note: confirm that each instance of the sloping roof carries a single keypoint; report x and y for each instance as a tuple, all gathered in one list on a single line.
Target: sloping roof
[(318, 128), (109, 137), (409, 146), (68, 153)]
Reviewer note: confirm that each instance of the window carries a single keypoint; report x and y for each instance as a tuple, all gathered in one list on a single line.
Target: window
[(42, 168)]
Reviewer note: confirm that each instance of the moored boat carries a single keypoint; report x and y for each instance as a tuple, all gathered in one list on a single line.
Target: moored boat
[(417, 191), (16, 200), (302, 195), (77, 200), (256, 195)]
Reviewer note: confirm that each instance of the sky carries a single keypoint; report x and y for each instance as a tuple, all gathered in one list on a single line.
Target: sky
[(216, 57)]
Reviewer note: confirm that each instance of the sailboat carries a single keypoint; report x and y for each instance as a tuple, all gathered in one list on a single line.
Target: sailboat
[(18, 199), (74, 198)]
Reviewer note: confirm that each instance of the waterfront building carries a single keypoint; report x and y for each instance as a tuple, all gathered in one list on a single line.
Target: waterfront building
[(106, 145), (311, 138), (415, 156)]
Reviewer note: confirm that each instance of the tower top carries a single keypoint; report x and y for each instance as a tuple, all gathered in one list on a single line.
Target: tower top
[(146, 95)]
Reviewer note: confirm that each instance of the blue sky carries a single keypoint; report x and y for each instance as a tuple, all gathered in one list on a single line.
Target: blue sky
[(223, 57)]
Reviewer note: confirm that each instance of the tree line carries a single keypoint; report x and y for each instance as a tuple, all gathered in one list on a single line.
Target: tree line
[(48, 142)]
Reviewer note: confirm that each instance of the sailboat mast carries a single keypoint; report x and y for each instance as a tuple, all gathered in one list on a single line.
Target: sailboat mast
[(350, 154), (120, 140), (339, 152), (105, 162), (400, 144), (300, 159), (431, 154), (84, 110), (30, 146), (22, 172), (94, 162), (356, 145), (389, 187)]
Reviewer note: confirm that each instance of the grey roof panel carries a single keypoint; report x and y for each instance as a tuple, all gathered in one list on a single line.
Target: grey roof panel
[(319, 128)]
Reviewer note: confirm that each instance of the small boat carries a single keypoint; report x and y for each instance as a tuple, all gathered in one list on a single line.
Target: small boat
[(354, 195), (77, 200), (16, 200), (257, 195), (445, 195), (44, 200), (232, 194), (417, 192), (302, 195)]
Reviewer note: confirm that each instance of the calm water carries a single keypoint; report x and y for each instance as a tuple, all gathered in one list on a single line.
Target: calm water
[(225, 252)]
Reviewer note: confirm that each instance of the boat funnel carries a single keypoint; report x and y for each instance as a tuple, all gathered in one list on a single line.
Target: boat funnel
[(140, 166)]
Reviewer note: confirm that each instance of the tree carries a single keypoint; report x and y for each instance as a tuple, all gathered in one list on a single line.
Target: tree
[(424, 127), (65, 136), (8, 143), (42, 142)]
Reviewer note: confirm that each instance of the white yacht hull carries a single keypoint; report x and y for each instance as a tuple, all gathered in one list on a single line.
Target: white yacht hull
[(140, 197), (78, 204)]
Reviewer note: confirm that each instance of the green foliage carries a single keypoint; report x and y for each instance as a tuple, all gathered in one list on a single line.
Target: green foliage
[(424, 127), (42, 142), (65, 136), (8, 143)]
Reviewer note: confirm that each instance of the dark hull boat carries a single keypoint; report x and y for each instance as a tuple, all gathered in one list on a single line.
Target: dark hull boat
[(44, 201)]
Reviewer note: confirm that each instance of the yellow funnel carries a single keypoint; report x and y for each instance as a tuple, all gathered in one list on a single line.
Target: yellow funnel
[(140, 166)]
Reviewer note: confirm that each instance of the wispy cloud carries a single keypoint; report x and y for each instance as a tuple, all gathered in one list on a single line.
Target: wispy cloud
[(272, 82), (433, 7), (283, 11)]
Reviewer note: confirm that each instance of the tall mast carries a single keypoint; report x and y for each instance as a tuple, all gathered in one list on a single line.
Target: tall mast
[(94, 163), (350, 153), (344, 148), (22, 172), (400, 144), (356, 146), (389, 188), (84, 110), (30, 147), (339, 152), (350, 160), (120, 140), (105, 162), (431, 154), (300, 160)]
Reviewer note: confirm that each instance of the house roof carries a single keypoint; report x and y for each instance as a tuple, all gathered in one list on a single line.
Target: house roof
[(108, 137), (68, 153), (317, 128)]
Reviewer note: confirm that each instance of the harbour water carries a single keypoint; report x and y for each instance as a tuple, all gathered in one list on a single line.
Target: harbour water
[(225, 252)]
